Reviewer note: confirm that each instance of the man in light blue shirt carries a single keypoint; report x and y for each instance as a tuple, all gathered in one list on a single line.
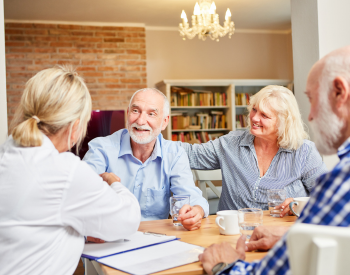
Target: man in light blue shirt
[(148, 165)]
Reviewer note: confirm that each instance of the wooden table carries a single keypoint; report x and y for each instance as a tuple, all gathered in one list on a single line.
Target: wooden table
[(205, 236)]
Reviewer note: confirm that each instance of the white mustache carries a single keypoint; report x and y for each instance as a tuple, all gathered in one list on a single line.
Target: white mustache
[(144, 127)]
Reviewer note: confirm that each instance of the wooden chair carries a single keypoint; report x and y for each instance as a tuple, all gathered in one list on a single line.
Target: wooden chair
[(211, 193), (318, 249)]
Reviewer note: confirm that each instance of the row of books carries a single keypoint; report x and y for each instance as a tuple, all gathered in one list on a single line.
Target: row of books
[(195, 137), (242, 99), (214, 120), (189, 97), (241, 121)]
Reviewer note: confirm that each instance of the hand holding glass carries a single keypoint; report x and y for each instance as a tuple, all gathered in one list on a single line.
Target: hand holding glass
[(249, 219), (176, 203), (275, 197)]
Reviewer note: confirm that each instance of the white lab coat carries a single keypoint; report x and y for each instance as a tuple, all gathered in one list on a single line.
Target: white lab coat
[(48, 202)]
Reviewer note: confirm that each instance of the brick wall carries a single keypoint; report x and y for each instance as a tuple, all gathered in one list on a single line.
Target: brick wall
[(112, 60)]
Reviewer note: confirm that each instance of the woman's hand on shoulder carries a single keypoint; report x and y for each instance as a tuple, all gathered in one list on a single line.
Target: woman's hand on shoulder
[(110, 178)]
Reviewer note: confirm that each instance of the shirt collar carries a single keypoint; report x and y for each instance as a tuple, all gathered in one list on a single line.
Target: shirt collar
[(125, 146), (248, 140), (344, 148)]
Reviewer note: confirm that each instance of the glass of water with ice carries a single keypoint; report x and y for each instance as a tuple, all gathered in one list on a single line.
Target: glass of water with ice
[(249, 219), (176, 203), (275, 197)]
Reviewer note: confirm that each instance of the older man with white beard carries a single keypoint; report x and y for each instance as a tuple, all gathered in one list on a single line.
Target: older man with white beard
[(148, 165), (328, 90)]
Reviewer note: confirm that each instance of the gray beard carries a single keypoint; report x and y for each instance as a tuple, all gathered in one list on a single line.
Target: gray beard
[(326, 127), (139, 140)]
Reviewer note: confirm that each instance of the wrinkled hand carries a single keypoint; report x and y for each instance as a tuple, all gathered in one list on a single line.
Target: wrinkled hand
[(191, 216), (222, 253), (94, 240), (285, 206), (109, 178), (265, 237)]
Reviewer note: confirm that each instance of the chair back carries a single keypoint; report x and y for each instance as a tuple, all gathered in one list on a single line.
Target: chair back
[(207, 174), (318, 249)]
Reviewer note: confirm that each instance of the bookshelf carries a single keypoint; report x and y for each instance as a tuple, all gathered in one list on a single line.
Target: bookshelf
[(223, 90)]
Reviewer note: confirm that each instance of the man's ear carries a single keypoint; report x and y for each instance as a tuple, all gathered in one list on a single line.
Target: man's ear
[(340, 91), (165, 122)]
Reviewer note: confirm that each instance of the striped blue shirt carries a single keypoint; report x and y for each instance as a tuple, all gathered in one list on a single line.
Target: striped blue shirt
[(329, 204), (295, 171)]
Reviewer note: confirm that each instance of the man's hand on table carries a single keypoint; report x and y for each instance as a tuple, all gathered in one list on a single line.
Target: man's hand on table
[(222, 253), (109, 178), (285, 207), (191, 216), (265, 237)]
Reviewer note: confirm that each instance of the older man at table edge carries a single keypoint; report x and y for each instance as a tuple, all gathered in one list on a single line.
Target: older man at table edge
[(147, 164), (328, 90)]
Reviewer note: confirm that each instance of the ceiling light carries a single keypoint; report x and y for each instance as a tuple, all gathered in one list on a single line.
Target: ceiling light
[(205, 22)]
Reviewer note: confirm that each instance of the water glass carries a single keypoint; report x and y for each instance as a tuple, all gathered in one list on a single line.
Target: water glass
[(275, 197), (249, 219), (176, 203)]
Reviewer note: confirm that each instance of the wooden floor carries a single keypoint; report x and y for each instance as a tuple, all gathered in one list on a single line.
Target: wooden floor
[(80, 269)]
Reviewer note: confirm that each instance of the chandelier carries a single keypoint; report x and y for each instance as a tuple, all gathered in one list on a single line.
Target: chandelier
[(205, 22)]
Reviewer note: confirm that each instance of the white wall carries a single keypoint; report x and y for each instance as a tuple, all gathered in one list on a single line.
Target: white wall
[(245, 55), (3, 104)]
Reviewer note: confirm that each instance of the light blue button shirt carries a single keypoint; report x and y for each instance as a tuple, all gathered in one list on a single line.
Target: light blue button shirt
[(166, 170)]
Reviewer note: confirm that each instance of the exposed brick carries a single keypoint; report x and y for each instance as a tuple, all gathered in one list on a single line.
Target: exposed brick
[(115, 74), (69, 38), (36, 32), (130, 80), (16, 86), (38, 56), (130, 68), (45, 38), (37, 44), (129, 56), (86, 68), (82, 33), (113, 51), (68, 62), (59, 32), (61, 44), (19, 25), (135, 51), (107, 56), (90, 80), (129, 45), (19, 62), (105, 34), (43, 50), (45, 62), (26, 75), (69, 27), (135, 86), (62, 56), (111, 28), (44, 26), (14, 44), (135, 40), (38, 68), (108, 80), (69, 50), (20, 38), (114, 62), (92, 62), (84, 45), (107, 45), (91, 51), (91, 39), (85, 56), (91, 74), (20, 50), (10, 31), (17, 68), (17, 56), (106, 68), (113, 39), (142, 63), (91, 28), (127, 34)]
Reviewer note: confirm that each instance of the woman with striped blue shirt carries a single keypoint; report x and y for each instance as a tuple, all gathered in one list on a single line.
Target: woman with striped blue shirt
[(273, 153)]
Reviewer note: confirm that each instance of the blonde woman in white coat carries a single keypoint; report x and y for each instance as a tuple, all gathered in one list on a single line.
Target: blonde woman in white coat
[(49, 198)]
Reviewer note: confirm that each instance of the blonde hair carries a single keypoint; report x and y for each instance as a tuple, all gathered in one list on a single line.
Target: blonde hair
[(53, 99), (290, 127)]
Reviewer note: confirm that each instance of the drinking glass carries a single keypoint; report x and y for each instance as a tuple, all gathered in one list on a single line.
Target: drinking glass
[(249, 219), (275, 197), (176, 203)]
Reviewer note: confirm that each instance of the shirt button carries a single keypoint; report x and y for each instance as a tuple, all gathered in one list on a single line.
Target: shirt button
[(256, 187)]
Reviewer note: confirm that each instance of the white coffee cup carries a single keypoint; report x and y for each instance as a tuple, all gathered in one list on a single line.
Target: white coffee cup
[(227, 221), (299, 205)]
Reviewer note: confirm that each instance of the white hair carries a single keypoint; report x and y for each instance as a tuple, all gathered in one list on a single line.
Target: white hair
[(166, 104), (327, 126), (290, 127)]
